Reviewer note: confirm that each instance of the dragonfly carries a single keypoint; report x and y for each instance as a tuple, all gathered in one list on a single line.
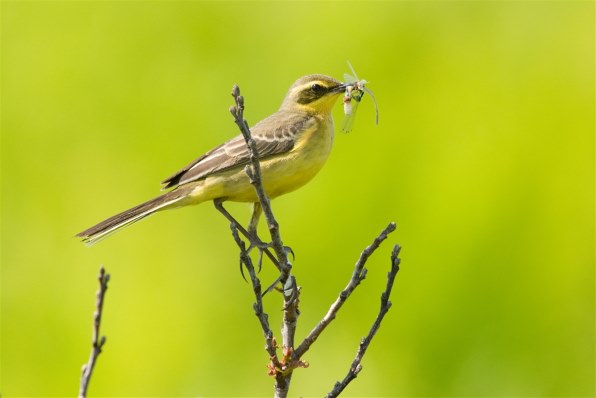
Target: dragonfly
[(355, 91)]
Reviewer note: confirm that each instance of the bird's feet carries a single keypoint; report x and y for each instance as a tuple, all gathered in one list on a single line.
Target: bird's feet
[(264, 248)]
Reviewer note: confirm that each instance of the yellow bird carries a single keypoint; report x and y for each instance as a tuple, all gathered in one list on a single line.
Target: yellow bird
[(293, 145)]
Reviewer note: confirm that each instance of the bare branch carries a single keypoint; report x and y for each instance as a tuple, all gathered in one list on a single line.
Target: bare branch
[(97, 342), (356, 366), (282, 368), (254, 173), (282, 373), (270, 344), (253, 239), (357, 276)]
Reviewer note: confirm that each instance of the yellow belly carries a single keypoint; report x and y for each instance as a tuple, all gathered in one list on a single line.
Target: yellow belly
[(281, 173)]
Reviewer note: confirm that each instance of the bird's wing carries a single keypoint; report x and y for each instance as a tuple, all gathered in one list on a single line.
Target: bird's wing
[(269, 139)]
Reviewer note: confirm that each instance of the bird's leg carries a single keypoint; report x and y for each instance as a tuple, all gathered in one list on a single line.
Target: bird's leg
[(252, 237), (257, 210)]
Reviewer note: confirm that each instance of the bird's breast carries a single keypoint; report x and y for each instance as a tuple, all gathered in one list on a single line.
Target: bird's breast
[(280, 173), (307, 157)]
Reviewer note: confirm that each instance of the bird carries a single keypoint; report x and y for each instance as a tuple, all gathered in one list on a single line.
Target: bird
[(293, 144)]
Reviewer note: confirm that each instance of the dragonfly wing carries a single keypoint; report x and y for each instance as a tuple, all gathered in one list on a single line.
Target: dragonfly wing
[(348, 122), (349, 78), (352, 70)]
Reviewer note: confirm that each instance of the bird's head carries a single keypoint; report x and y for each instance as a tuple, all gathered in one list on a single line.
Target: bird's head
[(313, 94)]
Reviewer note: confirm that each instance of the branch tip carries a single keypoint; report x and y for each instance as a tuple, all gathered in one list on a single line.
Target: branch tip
[(97, 341), (385, 306)]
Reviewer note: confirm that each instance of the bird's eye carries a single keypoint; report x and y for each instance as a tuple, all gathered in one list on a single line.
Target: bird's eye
[(317, 88)]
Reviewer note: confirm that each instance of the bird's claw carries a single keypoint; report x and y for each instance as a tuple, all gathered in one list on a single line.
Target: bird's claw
[(262, 246)]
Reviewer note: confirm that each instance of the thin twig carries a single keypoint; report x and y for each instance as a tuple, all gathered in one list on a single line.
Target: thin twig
[(254, 173), (253, 239), (356, 366), (357, 276), (283, 375), (270, 344), (97, 342)]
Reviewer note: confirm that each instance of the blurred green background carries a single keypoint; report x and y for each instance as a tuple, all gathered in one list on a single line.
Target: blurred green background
[(484, 156)]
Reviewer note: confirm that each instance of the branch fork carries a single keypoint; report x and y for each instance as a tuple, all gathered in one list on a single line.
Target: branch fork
[(281, 369), (291, 359)]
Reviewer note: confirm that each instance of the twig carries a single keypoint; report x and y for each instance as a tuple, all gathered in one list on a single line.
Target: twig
[(356, 366), (270, 344), (282, 369), (283, 375), (357, 276), (254, 173), (97, 342), (253, 239)]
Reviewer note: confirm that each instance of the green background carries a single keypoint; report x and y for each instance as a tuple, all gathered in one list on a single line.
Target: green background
[(484, 156)]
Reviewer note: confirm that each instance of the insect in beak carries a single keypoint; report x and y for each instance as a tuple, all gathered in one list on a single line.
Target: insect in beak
[(355, 89)]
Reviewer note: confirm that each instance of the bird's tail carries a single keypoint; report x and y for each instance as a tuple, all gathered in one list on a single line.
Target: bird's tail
[(130, 216)]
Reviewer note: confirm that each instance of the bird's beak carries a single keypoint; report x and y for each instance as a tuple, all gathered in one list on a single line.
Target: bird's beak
[(339, 88)]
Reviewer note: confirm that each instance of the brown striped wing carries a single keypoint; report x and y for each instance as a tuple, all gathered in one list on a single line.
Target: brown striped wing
[(274, 135)]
